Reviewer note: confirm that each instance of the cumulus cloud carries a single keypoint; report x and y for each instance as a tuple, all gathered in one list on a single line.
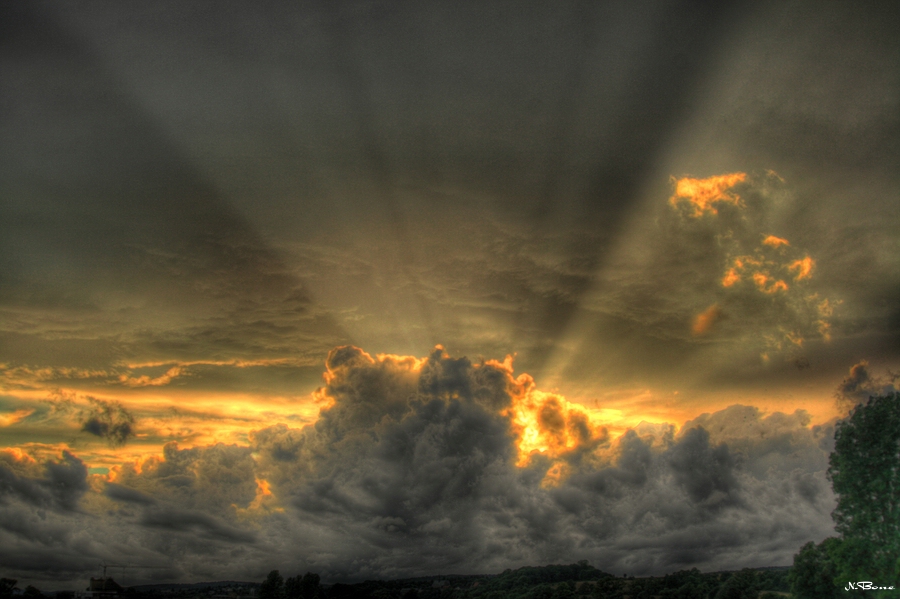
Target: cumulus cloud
[(421, 465), (423, 457), (214, 479)]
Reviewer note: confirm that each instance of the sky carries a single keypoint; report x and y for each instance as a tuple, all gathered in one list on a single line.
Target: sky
[(384, 289)]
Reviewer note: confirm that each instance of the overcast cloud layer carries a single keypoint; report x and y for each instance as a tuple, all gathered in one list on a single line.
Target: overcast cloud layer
[(665, 212)]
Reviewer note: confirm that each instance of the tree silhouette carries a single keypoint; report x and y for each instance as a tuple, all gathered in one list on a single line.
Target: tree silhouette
[(272, 587), (6, 587), (306, 587), (32, 592)]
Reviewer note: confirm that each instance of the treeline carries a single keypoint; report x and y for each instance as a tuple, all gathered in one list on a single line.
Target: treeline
[(214, 590), (573, 581), (9, 589)]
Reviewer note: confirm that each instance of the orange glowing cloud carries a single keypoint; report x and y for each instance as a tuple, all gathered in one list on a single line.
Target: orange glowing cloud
[(337, 363), (702, 195), (760, 270), (768, 284), (775, 242), (14, 417), (795, 338), (772, 268), (803, 268), (15, 456), (146, 381), (704, 321), (766, 269), (731, 277), (548, 424), (263, 501), (825, 310)]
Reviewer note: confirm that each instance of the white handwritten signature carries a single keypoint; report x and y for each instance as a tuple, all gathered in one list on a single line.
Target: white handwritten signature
[(865, 585)]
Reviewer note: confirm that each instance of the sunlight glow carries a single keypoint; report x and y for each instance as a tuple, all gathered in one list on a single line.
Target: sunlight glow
[(548, 424)]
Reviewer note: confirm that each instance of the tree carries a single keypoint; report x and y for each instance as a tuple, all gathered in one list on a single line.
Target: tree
[(272, 587), (865, 474), (309, 586), (814, 572), (306, 587), (7, 585), (741, 585)]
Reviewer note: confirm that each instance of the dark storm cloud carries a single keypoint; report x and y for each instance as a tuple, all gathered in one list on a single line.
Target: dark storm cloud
[(66, 544), (195, 523), (62, 486), (632, 467), (123, 493), (214, 479), (415, 461), (413, 467), (51, 562), (20, 523), (705, 473), (67, 480), (61, 544), (108, 420), (401, 450)]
